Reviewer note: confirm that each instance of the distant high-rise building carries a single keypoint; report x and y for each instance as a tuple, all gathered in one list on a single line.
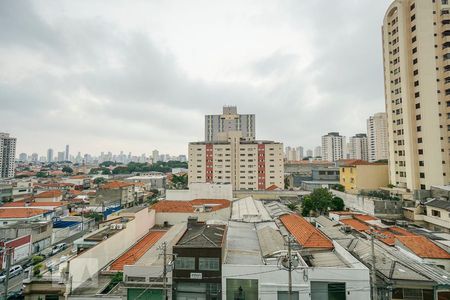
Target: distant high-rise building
[(358, 147), (309, 153), (299, 153), (23, 157), (67, 154), (155, 156), (34, 157), (416, 44), (318, 151), (377, 137), (50, 156), (7, 155), (61, 156), (229, 120), (333, 146)]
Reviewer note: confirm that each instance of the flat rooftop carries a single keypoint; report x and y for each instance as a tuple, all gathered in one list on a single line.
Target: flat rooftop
[(249, 210)]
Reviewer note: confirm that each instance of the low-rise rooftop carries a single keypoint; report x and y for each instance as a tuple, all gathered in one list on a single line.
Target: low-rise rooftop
[(201, 235)]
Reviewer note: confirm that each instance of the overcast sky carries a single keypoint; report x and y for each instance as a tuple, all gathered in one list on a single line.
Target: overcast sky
[(140, 75)]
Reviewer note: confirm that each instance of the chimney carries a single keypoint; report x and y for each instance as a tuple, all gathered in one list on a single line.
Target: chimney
[(192, 220)]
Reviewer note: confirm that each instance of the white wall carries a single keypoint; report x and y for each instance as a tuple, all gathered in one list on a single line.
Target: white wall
[(202, 191), (271, 279), (87, 264), (175, 218)]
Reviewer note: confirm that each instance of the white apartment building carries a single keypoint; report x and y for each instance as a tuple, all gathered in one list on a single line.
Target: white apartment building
[(229, 120), (317, 151), (50, 156), (251, 165), (416, 49), (7, 155), (358, 147), (234, 156), (377, 137), (333, 146)]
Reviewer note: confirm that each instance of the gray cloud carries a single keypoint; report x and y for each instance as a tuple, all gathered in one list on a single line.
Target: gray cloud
[(98, 86)]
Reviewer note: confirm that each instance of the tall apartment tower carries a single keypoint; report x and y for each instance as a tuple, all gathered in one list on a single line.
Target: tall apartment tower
[(66, 154), (50, 155), (317, 151), (231, 157), (358, 147), (7, 155), (333, 146), (229, 120), (377, 137), (416, 55)]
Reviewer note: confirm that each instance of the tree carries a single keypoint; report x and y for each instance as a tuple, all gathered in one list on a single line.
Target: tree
[(319, 201), (292, 206), (67, 170), (99, 180), (338, 187), (307, 206), (106, 171), (41, 174), (337, 204), (180, 182)]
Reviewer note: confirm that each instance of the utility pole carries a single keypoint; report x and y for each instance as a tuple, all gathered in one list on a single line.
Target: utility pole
[(7, 253), (290, 268), (164, 245), (374, 270)]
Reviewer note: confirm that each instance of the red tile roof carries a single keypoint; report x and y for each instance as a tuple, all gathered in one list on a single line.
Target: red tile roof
[(115, 185), (365, 217), (273, 187), (423, 247), (306, 234), (49, 194), (137, 251), (189, 206), (32, 204), (355, 224), (20, 213)]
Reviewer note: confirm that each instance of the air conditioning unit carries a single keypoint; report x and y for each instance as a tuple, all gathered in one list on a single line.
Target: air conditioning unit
[(113, 226), (119, 226), (346, 229)]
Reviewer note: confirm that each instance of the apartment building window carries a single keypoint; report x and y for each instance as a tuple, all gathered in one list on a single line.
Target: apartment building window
[(414, 61), (412, 6), (445, 2), (415, 72), (420, 151), (435, 213), (416, 83), (185, 263), (209, 264), (413, 28), (417, 94), (422, 175), (421, 164), (418, 117), (417, 105), (413, 39), (422, 186), (419, 140)]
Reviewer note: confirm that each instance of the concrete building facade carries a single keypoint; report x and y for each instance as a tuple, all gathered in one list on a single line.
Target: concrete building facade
[(333, 146), (7, 155), (229, 120), (358, 147), (377, 137), (231, 155), (416, 49)]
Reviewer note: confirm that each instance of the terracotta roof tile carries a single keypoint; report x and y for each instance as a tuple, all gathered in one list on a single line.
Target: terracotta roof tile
[(355, 224), (306, 234), (137, 251), (32, 204), (423, 247), (189, 206), (365, 217), (49, 194), (115, 185), (18, 213)]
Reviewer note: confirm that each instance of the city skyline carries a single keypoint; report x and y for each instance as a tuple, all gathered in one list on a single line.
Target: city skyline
[(68, 90)]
